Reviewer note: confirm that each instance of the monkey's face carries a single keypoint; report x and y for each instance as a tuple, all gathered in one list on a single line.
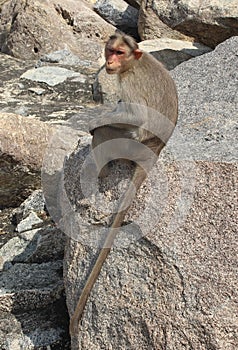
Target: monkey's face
[(119, 57)]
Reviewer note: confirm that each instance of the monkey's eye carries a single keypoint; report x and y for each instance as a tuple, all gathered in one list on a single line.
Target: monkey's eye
[(119, 52)]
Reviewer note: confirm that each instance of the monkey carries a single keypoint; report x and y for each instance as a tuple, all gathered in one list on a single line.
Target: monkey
[(145, 84)]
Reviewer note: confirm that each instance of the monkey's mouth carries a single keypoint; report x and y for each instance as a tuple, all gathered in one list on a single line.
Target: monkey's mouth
[(110, 70)]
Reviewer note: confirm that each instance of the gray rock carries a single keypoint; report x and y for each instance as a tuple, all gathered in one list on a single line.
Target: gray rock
[(208, 103), (22, 148), (56, 103), (35, 246), (29, 222), (37, 91), (50, 246), (17, 133), (29, 287), (18, 249), (64, 57), (35, 202), (43, 328), (119, 14), (171, 280), (51, 75), (208, 22)]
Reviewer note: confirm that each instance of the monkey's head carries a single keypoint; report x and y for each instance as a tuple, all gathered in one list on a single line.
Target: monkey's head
[(121, 52)]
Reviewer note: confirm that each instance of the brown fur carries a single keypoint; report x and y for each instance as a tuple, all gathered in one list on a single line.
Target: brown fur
[(145, 82)]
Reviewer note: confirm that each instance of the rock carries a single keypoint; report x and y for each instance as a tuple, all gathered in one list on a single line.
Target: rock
[(170, 281), (151, 26), (37, 329), (208, 103), (31, 29), (173, 52), (52, 75), (64, 57), (2, 2), (35, 202), (35, 246), (17, 182), (29, 222), (37, 99), (22, 148), (207, 22), (37, 91), (29, 287), (24, 139), (50, 246), (18, 249), (119, 14)]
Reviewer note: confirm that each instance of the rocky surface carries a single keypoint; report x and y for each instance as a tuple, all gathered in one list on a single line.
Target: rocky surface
[(35, 329), (208, 22), (38, 25), (32, 307), (38, 93), (22, 92), (175, 285)]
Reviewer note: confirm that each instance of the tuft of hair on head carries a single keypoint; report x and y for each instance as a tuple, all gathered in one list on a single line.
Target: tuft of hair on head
[(127, 39)]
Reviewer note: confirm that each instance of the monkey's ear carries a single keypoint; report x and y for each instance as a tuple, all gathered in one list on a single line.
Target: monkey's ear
[(138, 53)]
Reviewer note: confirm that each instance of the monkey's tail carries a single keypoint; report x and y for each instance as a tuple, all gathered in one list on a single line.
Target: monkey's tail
[(138, 177), (74, 322)]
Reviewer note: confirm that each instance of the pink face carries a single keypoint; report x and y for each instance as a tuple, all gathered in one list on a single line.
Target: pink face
[(119, 57), (116, 58)]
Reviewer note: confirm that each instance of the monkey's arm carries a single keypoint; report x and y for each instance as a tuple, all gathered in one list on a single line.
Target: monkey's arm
[(122, 117)]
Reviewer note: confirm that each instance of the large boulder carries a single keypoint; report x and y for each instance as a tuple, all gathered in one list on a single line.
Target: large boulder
[(30, 29), (208, 22), (170, 281), (119, 14)]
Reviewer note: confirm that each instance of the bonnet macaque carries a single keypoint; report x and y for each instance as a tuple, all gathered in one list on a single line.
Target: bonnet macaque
[(142, 81)]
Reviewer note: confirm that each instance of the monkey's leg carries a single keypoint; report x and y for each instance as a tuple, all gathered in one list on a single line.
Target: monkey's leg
[(138, 178)]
